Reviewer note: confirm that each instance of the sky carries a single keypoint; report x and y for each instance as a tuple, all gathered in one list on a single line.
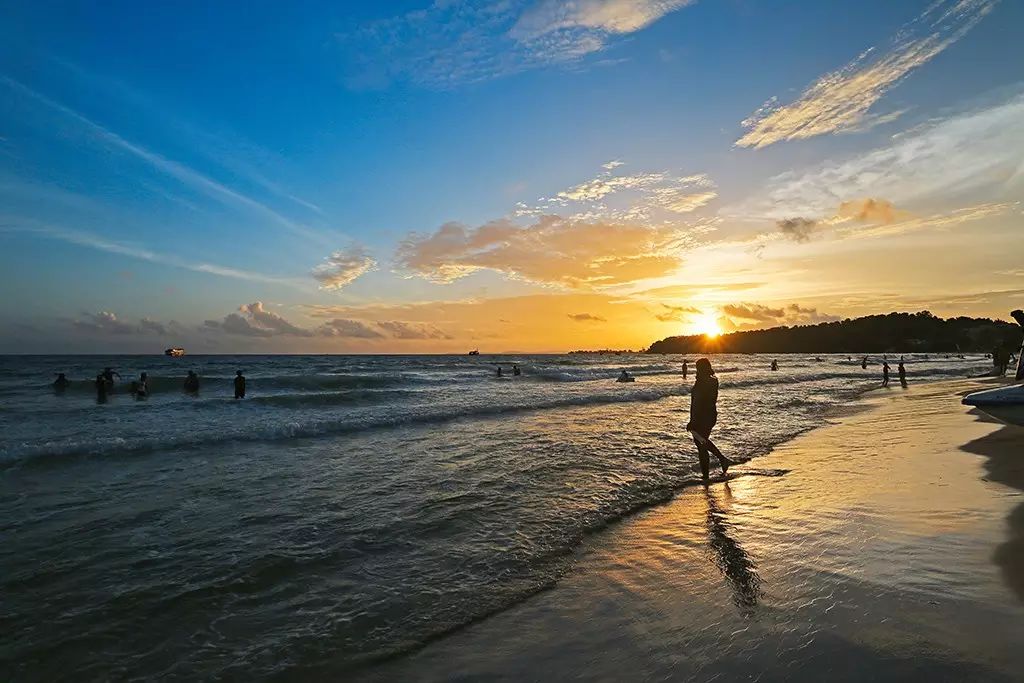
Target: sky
[(508, 176)]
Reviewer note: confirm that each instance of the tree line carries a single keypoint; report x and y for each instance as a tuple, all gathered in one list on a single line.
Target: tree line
[(894, 332)]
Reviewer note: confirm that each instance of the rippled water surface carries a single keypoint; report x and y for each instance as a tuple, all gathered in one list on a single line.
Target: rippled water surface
[(350, 508)]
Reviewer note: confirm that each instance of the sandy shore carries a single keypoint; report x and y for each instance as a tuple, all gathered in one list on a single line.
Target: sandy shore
[(881, 547)]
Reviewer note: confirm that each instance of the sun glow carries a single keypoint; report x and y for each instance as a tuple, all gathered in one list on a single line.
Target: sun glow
[(707, 325)]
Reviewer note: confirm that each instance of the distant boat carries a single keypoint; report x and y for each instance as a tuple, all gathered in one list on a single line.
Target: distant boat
[(175, 352), (474, 352)]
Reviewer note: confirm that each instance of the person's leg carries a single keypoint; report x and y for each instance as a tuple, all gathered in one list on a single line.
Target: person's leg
[(723, 461), (702, 454)]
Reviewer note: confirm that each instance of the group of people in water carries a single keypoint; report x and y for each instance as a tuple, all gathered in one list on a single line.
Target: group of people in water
[(139, 389), (515, 371)]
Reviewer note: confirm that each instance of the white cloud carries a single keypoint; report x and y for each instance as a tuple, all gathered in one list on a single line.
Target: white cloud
[(99, 243), (964, 154), (839, 101), (456, 41), (343, 267), (254, 320)]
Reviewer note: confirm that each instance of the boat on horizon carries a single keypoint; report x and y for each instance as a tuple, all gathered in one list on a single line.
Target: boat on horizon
[(175, 352), (475, 352)]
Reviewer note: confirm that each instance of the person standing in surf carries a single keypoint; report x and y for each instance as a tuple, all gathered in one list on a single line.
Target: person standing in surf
[(704, 415)]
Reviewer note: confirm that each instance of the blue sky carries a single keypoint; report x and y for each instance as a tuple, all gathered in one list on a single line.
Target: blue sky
[(399, 176)]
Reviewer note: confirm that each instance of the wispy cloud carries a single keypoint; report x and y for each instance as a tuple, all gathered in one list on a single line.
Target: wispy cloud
[(744, 316), (647, 196), (944, 160), (587, 318), (343, 267), (458, 41), (86, 239), (840, 101), (179, 171)]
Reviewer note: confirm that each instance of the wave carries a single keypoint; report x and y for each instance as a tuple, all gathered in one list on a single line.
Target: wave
[(316, 427)]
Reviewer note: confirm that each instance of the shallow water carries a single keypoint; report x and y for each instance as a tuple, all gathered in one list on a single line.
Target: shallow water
[(350, 508)]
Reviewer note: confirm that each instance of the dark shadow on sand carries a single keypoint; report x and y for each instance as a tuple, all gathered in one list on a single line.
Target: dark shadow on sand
[(1004, 451)]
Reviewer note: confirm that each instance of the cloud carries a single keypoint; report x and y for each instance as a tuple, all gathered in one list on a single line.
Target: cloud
[(586, 318), (943, 160), (552, 250), (797, 229), (106, 322), (411, 330), (940, 220), (453, 42), (839, 101), (675, 313), (744, 316), (253, 320), (343, 267), (177, 170), (99, 243), (612, 165), (870, 211), (344, 327)]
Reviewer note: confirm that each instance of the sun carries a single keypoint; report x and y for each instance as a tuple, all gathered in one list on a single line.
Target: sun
[(707, 325)]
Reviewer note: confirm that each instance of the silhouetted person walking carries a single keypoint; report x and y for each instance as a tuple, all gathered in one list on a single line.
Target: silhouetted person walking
[(704, 415), (101, 388), (902, 372), (685, 369), (864, 363), (885, 373), (775, 365), (239, 385), (192, 383)]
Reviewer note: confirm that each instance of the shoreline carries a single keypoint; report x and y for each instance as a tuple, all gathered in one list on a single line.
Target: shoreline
[(577, 629)]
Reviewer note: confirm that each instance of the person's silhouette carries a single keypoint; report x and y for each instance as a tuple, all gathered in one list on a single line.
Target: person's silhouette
[(101, 388), (902, 372), (61, 383), (704, 415), (192, 383), (885, 373), (239, 385)]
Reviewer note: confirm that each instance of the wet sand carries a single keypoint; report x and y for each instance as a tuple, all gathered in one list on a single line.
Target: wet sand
[(886, 546)]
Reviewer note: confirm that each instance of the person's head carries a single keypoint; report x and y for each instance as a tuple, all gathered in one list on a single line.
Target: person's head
[(144, 375), (60, 375), (239, 373), (703, 368)]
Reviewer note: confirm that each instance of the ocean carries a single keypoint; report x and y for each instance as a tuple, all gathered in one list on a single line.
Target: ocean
[(351, 508)]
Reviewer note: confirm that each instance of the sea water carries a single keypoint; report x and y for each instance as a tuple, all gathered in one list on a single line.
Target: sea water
[(350, 508)]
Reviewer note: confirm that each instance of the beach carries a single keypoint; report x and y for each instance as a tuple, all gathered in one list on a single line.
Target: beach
[(809, 566), (419, 518)]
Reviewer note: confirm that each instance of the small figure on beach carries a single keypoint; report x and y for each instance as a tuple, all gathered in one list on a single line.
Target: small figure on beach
[(625, 377), (864, 363), (516, 371), (141, 388), (704, 415), (685, 369), (108, 377), (101, 388), (239, 385), (902, 373), (885, 373), (498, 373), (61, 383), (192, 383), (775, 365)]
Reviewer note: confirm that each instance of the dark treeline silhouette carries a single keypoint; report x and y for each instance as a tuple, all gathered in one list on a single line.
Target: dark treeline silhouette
[(891, 333)]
